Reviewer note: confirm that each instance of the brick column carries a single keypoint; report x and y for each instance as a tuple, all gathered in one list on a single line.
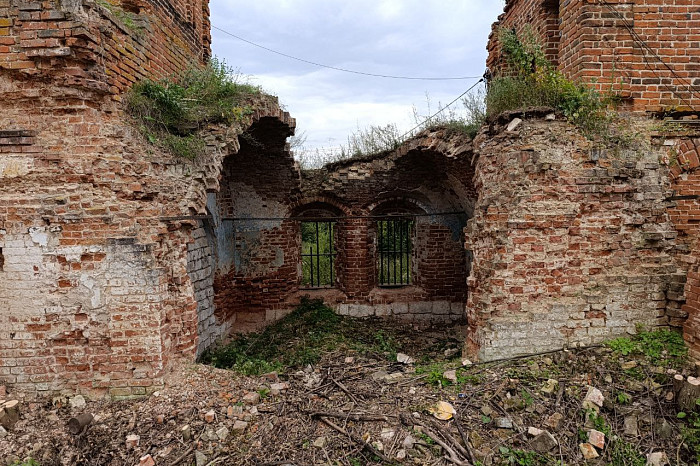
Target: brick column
[(356, 269)]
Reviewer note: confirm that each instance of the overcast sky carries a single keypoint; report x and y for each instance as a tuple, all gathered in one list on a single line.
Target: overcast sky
[(425, 38)]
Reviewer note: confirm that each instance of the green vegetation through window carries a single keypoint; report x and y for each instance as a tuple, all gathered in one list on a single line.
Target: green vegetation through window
[(394, 251), (317, 254)]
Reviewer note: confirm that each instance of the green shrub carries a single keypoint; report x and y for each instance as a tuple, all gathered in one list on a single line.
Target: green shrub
[(529, 80), (172, 111)]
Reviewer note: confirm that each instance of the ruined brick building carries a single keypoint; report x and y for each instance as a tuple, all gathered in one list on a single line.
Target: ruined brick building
[(117, 258)]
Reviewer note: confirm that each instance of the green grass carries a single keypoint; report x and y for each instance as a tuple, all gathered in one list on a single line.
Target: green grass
[(659, 347), (171, 111), (300, 338)]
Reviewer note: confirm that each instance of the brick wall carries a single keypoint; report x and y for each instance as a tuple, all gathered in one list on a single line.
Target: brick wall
[(102, 46), (684, 159), (597, 45), (103, 272), (572, 244), (429, 177)]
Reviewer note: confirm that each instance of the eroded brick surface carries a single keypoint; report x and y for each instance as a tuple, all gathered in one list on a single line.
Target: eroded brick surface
[(572, 244)]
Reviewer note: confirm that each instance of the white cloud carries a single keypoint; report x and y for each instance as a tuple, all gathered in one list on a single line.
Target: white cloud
[(397, 37)]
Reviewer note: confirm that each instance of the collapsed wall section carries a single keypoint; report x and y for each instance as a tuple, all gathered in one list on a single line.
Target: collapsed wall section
[(572, 242)]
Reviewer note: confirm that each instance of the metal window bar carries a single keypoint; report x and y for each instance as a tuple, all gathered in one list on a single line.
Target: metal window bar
[(318, 254), (394, 251)]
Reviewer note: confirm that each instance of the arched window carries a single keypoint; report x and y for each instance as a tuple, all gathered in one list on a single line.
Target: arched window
[(317, 225)]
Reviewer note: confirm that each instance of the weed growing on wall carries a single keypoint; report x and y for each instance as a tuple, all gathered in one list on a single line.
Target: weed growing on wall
[(170, 112), (530, 80)]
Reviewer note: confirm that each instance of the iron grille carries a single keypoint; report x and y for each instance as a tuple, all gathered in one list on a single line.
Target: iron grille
[(317, 254), (394, 251)]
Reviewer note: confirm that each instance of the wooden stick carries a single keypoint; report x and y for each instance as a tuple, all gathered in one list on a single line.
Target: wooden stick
[(465, 438), (344, 389), (452, 456), (355, 439), (353, 416)]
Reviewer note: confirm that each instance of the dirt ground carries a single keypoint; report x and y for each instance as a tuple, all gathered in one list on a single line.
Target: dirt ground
[(358, 405)]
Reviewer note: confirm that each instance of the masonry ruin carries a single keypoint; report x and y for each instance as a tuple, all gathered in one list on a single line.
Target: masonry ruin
[(118, 259)]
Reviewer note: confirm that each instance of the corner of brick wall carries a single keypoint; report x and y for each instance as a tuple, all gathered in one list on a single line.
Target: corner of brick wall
[(572, 244)]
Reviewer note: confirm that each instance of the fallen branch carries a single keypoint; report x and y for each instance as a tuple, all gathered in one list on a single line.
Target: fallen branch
[(452, 456), (353, 416), (344, 389), (465, 438), (355, 439)]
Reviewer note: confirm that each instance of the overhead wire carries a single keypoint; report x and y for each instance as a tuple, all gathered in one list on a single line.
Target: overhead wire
[(345, 70), (644, 46)]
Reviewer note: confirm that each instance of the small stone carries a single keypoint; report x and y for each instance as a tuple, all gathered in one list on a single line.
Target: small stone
[(349, 360), (279, 387), (393, 378), (550, 117), (3, 432), (132, 441), (379, 375), (209, 416), (486, 410), (658, 458), (589, 451), (222, 433), (594, 399), (408, 442), (450, 375), (466, 362), (665, 430), (271, 377), (77, 402), (451, 352), (186, 432), (387, 433), (544, 442), (514, 124), (404, 358), (320, 442), (251, 398), (631, 426), (160, 419), (401, 454), (504, 423), (554, 421), (534, 431), (608, 379), (596, 438), (200, 458), (239, 426), (628, 365), (550, 386), (147, 461)]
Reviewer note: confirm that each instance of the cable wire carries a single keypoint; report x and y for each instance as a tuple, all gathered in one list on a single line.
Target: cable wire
[(441, 110), (345, 70), (645, 46)]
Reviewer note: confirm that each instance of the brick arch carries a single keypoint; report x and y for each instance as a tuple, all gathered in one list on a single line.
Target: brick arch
[(331, 204)]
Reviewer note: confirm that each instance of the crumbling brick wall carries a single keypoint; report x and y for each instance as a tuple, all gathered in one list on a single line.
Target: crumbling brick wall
[(572, 243), (683, 157), (645, 51), (97, 236), (429, 177)]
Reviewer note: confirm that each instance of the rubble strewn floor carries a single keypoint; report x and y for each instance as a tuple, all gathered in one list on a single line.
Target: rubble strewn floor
[(358, 405)]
